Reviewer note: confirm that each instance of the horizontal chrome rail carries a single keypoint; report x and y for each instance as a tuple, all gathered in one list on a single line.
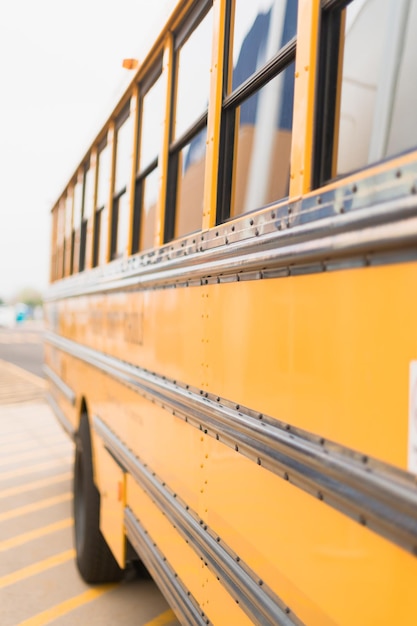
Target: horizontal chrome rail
[(174, 591), (253, 596), (66, 391), (371, 492), (388, 226)]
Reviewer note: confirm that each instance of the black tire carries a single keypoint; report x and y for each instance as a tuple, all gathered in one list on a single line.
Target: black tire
[(95, 561)]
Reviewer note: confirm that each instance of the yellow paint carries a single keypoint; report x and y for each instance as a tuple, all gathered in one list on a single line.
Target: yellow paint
[(304, 96), (50, 615), (167, 64), (185, 562), (36, 568), (19, 540), (111, 479), (32, 469), (134, 106), (163, 619), (214, 115), (37, 484), (35, 506)]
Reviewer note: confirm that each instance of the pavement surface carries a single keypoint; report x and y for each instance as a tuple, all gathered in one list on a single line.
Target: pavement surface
[(39, 582)]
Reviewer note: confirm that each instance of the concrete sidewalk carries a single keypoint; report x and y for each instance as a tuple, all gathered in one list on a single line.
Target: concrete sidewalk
[(17, 385)]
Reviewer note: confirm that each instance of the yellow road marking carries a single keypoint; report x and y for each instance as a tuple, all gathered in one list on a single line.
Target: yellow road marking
[(37, 484), (19, 540), (35, 506), (36, 568), (32, 454), (33, 468), (161, 620), (30, 443), (48, 616)]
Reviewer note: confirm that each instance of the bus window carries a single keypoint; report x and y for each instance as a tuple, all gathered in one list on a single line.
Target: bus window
[(60, 239), (257, 111), (87, 211), (375, 97), (120, 213), (68, 243), (54, 244), (188, 150), (259, 31), (76, 227), (101, 210), (146, 193)]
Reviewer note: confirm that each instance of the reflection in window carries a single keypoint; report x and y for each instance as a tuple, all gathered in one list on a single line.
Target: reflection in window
[(193, 83), (77, 213), (257, 123), (69, 240), (103, 178), (88, 193), (184, 211), (263, 144), (378, 104), (120, 212), (152, 107), (260, 31), (190, 186), (101, 211), (149, 203), (152, 123)]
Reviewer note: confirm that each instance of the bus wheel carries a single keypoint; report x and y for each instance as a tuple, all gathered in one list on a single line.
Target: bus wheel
[(95, 561)]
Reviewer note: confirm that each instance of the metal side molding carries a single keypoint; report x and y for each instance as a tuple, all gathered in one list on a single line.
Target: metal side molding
[(254, 597), (371, 492)]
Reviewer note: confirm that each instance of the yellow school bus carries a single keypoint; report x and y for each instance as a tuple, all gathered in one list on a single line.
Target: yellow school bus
[(232, 316)]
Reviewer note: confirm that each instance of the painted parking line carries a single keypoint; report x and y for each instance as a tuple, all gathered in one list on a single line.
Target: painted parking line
[(35, 506), (163, 619), (30, 455), (36, 484), (22, 471), (19, 540), (48, 616), (21, 445), (36, 568)]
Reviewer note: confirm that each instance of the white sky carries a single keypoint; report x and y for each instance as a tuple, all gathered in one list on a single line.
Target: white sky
[(60, 76)]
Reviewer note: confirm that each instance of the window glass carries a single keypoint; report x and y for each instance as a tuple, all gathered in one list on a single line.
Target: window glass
[(61, 221), (378, 100), (88, 193), (193, 72), (261, 29), (78, 203), (152, 123), (262, 146), (122, 224), (123, 154), (149, 203), (190, 187), (103, 165), (68, 215), (102, 228)]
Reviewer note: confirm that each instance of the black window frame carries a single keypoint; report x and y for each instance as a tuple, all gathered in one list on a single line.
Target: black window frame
[(253, 84), (190, 24), (98, 210), (327, 90), (145, 86), (117, 193)]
